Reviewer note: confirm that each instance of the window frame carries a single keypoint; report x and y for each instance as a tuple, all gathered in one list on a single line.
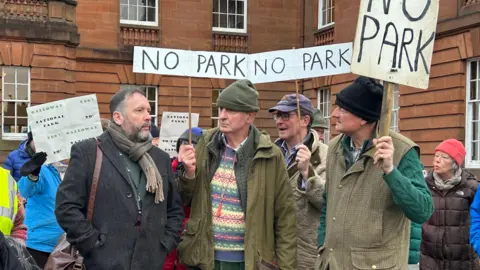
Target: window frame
[(326, 112), (137, 22), (214, 104), (15, 136), (123, 86), (234, 30), (320, 14), (469, 162), (395, 121)]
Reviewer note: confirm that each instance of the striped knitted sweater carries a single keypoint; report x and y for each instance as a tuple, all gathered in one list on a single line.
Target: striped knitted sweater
[(228, 217)]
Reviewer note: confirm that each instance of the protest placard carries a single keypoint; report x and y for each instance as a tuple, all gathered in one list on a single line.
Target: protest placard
[(394, 40), (264, 67), (173, 125), (56, 126)]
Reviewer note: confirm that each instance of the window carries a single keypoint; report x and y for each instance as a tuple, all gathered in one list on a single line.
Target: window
[(472, 125), (323, 99), (395, 109), (140, 12), (326, 10), (230, 15), (215, 109), (16, 99), (151, 92)]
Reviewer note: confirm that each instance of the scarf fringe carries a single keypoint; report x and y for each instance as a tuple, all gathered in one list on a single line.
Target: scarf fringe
[(154, 184)]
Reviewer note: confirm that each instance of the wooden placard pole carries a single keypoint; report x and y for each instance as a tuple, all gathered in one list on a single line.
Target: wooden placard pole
[(189, 110), (387, 106), (298, 96), (298, 99)]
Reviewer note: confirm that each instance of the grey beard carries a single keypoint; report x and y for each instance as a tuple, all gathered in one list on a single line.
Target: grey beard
[(137, 137)]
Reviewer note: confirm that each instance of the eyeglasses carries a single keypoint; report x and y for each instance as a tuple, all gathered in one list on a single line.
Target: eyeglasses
[(284, 115)]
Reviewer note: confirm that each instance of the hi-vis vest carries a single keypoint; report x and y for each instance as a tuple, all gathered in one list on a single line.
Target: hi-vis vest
[(8, 201)]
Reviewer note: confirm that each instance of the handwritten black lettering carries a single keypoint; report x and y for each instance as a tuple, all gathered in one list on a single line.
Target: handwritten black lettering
[(419, 51), (386, 42), (223, 64), (145, 54), (237, 66), (166, 58), (386, 6), (273, 65), (421, 16), (342, 57), (363, 38), (211, 62), (201, 60), (264, 69), (328, 55), (403, 48), (316, 59), (305, 61)]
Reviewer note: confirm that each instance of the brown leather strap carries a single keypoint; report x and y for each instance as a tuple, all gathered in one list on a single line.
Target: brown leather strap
[(93, 188)]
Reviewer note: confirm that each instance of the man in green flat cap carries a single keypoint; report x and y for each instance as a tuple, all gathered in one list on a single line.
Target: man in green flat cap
[(320, 124), (242, 210)]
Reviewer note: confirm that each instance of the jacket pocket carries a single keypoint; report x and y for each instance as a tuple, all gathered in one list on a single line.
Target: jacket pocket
[(262, 264), (369, 258), (190, 247), (265, 265)]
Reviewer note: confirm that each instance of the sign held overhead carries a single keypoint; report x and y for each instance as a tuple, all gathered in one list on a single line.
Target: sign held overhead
[(394, 40), (264, 67), (58, 125)]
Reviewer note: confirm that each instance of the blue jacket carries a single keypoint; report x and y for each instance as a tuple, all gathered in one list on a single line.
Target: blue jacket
[(16, 159), (43, 230), (475, 223)]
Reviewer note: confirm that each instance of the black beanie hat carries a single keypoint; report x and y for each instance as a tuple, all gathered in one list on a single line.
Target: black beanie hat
[(363, 98)]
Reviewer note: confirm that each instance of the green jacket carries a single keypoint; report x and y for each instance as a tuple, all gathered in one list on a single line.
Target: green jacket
[(415, 240), (270, 221), (308, 200), (368, 213)]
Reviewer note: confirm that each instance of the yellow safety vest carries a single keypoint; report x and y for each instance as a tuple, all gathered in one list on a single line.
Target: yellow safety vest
[(8, 201)]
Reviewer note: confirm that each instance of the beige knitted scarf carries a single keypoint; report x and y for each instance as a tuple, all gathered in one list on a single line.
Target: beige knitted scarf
[(138, 152)]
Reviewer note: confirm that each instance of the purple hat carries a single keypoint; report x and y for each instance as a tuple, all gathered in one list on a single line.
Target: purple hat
[(289, 103)]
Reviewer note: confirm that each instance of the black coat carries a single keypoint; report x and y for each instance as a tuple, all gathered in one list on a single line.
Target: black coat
[(14, 256), (114, 240)]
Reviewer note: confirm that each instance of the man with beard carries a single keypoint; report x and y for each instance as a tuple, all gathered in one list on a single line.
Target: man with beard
[(137, 213)]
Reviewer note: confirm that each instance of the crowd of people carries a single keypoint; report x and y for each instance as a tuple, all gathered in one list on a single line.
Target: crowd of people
[(234, 198)]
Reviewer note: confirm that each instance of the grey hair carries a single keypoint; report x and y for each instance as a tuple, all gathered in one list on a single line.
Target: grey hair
[(117, 102), (455, 167)]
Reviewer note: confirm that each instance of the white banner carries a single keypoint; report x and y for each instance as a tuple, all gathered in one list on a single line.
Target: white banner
[(259, 68), (394, 40), (173, 125), (56, 126)]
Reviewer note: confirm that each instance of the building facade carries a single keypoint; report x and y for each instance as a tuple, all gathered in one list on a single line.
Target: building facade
[(55, 49), (449, 108)]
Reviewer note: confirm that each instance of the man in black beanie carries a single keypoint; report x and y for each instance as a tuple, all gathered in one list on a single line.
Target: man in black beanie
[(374, 187), (233, 225)]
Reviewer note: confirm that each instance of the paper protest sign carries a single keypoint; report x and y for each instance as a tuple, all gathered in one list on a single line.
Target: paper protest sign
[(394, 40), (264, 67), (56, 126), (173, 125)]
